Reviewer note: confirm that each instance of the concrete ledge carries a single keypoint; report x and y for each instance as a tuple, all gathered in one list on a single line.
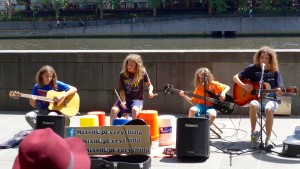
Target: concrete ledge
[(95, 74)]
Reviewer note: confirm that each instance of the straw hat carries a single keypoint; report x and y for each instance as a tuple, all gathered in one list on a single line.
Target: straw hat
[(44, 149)]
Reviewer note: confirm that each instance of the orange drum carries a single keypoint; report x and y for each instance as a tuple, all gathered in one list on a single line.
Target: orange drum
[(101, 117), (150, 117)]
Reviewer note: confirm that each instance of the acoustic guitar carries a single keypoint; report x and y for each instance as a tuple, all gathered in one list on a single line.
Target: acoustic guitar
[(242, 97), (226, 107), (69, 106)]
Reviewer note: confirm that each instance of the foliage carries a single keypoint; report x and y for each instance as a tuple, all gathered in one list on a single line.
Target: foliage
[(115, 4), (219, 5), (58, 5), (153, 3), (14, 17), (53, 9)]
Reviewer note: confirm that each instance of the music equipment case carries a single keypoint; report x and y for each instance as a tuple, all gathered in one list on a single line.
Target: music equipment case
[(121, 162)]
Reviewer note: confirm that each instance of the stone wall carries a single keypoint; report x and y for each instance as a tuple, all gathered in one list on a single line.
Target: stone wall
[(95, 74)]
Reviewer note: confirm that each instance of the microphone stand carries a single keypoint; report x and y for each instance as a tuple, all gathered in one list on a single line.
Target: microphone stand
[(261, 106), (204, 79)]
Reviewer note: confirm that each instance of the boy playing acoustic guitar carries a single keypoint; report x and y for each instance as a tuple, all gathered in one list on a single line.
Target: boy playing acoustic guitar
[(46, 80), (211, 86), (266, 59)]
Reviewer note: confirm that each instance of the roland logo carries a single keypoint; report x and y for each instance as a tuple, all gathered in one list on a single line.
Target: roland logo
[(191, 125), (48, 122)]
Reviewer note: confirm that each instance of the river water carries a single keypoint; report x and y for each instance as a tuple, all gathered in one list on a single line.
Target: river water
[(149, 43)]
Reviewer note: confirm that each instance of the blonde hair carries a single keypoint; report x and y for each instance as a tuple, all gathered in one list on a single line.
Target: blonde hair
[(272, 60), (140, 69), (46, 69), (201, 71)]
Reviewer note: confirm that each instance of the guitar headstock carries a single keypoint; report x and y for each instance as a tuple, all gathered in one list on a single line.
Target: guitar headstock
[(292, 90), (14, 94), (168, 88)]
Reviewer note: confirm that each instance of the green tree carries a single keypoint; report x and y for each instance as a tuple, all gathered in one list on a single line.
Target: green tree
[(210, 6), (115, 4), (9, 8), (219, 6), (58, 5), (100, 5), (266, 5), (154, 4)]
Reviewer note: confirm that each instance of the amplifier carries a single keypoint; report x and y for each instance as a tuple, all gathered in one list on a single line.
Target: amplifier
[(192, 138), (56, 123)]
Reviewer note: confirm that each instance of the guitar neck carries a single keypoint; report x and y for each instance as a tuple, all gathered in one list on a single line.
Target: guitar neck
[(196, 96), (269, 90), (42, 98)]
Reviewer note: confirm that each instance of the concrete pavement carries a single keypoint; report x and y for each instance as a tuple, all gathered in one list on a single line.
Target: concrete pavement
[(231, 151)]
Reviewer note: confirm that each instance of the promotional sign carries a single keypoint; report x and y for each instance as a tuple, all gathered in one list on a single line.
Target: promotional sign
[(114, 140)]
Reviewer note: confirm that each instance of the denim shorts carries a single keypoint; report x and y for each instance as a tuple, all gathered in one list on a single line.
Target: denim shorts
[(200, 110), (129, 105), (266, 104)]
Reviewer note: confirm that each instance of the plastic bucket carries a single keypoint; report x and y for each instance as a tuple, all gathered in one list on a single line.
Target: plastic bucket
[(89, 121), (101, 117), (167, 130), (119, 121), (150, 117)]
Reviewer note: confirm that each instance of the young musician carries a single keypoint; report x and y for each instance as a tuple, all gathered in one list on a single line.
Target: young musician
[(131, 83), (266, 59), (46, 79), (204, 75)]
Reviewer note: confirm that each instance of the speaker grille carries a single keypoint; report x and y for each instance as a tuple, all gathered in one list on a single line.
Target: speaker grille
[(192, 137)]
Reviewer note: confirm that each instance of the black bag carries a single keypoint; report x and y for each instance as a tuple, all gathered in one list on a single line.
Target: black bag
[(122, 162), (16, 140)]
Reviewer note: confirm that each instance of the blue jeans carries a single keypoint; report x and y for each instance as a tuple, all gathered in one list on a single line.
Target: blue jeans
[(31, 116)]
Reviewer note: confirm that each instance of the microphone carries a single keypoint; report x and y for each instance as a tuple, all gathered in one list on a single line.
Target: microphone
[(204, 73), (204, 76), (263, 66)]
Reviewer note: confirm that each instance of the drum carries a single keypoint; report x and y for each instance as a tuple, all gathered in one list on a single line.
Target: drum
[(119, 121), (167, 130), (150, 117), (101, 117), (89, 121)]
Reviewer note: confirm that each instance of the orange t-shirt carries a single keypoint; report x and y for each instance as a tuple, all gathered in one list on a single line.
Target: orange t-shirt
[(215, 87)]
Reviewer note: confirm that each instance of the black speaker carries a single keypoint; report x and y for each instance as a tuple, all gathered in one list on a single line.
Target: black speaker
[(192, 137), (56, 123)]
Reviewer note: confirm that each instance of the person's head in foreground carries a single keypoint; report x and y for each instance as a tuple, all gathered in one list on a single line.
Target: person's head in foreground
[(44, 149)]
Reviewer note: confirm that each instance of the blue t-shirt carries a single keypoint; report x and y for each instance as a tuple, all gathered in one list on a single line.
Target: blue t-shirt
[(133, 91), (253, 73), (42, 91)]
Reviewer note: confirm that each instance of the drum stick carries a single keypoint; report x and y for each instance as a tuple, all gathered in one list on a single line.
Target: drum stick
[(154, 94), (118, 95)]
